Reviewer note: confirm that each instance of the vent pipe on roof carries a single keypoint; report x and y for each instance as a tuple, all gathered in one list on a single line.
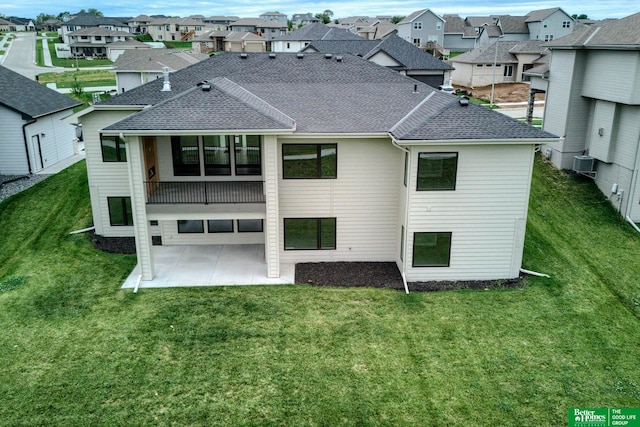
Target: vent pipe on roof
[(464, 101), (166, 85), (415, 88)]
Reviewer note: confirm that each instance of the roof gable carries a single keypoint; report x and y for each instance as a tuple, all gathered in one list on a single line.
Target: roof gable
[(612, 34), (30, 98)]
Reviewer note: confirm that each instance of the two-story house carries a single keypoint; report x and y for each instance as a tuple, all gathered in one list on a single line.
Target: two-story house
[(297, 40), (593, 102), (275, 16), (270, 30), (312, 157), (89, 20), (176, 29), (549, 24), (95, 41), (139, 24), (423, 28)]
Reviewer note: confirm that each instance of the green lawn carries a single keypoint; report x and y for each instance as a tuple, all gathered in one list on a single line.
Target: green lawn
[(86, 78), (78, 350), (72, 63)]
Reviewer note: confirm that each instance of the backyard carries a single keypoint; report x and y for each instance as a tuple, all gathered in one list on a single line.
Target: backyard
[(78, 350)]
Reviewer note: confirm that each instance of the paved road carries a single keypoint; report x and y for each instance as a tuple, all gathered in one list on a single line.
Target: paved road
[(21, 57)]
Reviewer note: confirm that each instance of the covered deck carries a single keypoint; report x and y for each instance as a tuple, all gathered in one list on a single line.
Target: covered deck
[(209, 265)]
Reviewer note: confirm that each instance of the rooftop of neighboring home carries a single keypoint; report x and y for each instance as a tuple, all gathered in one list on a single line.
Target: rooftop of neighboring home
[(407, 54), (318, 31), (175, 21), (309, 93), (506, 52), (141, 18), (99, 31), (412, 17), (622, 33), (155, 59), (30, 98), (91, 20), (257, 22)]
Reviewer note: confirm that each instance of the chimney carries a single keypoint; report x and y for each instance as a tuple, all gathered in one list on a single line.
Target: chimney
[(166, 85)]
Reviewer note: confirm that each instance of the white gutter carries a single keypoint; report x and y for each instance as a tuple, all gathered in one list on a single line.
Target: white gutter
[(406, 216), (160, 132)]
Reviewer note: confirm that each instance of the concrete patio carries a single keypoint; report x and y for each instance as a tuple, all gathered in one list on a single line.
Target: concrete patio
[(209, 265)]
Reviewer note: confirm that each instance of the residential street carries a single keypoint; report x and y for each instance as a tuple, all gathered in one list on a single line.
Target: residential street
[(21, 57)]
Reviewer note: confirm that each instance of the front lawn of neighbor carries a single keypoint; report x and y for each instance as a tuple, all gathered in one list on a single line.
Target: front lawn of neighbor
[(70, 62), (78, 350), (85, 78)]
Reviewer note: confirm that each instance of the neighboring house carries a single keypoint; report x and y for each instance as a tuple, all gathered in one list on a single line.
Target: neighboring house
[(316, 158), (115, 49), (22, 24), (95, 41), (423, 28), (301, 19), (211, 41), (459, 37), (52, 25), (513, 28), (300, 38), (375, 29), (89, 20), (391, 52), (244, 42), (549, 24), (139, 24), (176, 29), (33, 136), (270, 30), (275, 16), (6, 26), (219, 23), (137, 67), (476, 68), (593, 101)]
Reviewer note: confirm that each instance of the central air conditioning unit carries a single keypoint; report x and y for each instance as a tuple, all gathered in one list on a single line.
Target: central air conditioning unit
[(584, 166)]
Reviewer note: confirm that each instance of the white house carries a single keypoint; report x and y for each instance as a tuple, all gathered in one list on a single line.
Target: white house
[(33, 136), (316, 157), (593, 102)]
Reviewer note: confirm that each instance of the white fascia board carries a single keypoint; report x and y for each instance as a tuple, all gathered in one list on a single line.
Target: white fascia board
[(533, 141), (377, 135)]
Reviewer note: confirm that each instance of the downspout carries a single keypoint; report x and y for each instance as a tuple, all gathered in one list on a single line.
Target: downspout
[(26, 143), (406, 215)]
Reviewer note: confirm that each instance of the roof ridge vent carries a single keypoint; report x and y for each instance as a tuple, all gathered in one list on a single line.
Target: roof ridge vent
[(328, 55), (300, 55), (243, 55), (464, 101), (272, 55), (339, 58)]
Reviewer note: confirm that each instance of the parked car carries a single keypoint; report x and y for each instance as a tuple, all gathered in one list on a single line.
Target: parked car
[(447, 89)]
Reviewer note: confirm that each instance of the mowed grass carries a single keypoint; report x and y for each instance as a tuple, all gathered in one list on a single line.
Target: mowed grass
[(85, 78), (78, 350)]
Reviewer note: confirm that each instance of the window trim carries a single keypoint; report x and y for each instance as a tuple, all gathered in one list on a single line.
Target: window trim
[(212, 165), (455, 172), (240, 230), (233, 138), (417, 25), (413, 256), (190, 232), (125, 215), (120, 145), (319, 245), (318, 161), (233, 229)]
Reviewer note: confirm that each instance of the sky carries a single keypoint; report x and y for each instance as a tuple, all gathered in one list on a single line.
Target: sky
[(595, 9)]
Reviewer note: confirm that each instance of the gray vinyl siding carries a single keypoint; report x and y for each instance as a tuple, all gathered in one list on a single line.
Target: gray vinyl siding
[(486, 213), (554, 27), (603, 120), (456, 43), (13, 157), (106, 179), (566, 111), (364, 200), (612, 76), (429, 28)]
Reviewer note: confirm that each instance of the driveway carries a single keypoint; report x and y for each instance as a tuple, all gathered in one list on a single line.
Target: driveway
[(21, 57)]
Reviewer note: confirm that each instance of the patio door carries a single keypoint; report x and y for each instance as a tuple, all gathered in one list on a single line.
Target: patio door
[(150, 163)]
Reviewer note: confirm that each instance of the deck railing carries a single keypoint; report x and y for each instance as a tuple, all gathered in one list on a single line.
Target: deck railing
[(204, 192)]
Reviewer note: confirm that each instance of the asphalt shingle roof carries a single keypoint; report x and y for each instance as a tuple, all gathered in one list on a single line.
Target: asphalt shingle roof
[(91, 20), (318, 31), (310, 94), (620, 33), (513, 24), (30, 98), (155, 59)]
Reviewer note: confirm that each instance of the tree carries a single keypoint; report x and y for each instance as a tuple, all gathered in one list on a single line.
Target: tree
[(95, 12), (324, 17), (396, 19), (581, 16), (63, 16), (43, 17)]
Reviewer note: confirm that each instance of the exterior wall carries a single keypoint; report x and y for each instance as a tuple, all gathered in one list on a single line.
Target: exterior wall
[(486, 213), (13, 157), (602, 131), (381, 58), (288, 45), (538, 31), (473, 75), (170, 236), (428, 32), (456, 43), (565, 110), (612, 76), (106, 179), (523, 59), (364, 200), (56, 140)]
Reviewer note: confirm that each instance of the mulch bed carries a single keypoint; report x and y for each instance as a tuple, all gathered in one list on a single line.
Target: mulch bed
[(384, 275), (114, 245)]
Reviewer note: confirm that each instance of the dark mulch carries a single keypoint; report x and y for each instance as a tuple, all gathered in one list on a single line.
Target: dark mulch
[(383, 275), (114, 245)]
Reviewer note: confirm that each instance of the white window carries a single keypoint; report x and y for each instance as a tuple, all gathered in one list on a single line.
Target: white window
[(545, 24), (438, 25), (566, 24), (416, 41), (417, 25), (548, 37), (508, 70)]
